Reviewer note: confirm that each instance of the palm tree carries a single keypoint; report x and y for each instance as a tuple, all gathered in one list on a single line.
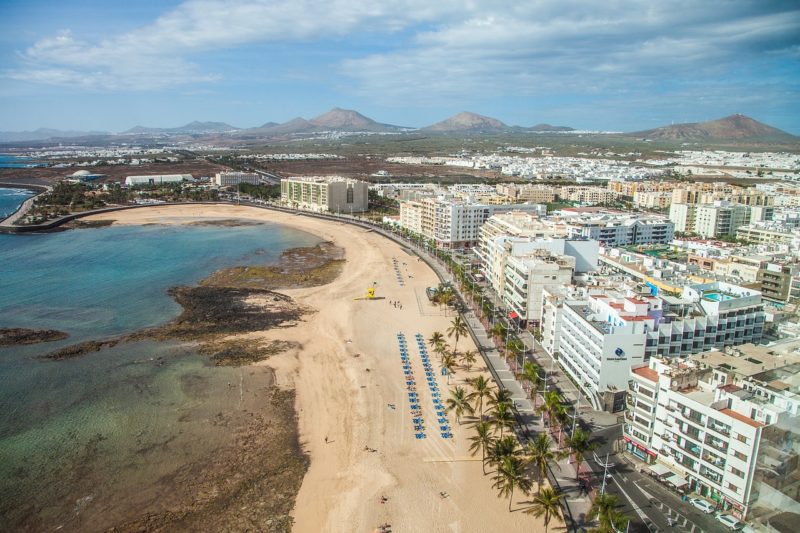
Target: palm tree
[(468, 358), (579, 445), (502, 417), (458, 403), (449, 363), (480, 392), (604, 508), (501, 448), (547, 504), (511, 474), (440, 349), (551, 405), (482, 440), (497, 330), (499, 397), (538, 454), (458, 328), (435, 339), (530, 373)]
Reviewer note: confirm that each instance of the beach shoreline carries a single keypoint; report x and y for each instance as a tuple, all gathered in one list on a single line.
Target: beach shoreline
[(352, 416)]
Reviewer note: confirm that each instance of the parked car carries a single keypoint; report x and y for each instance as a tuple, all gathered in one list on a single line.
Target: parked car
[(702, 505), (730, 522)]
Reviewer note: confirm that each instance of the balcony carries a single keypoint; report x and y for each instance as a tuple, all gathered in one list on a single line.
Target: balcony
[(710, 475), (717, 444), (720, 428), (690, 415), (718, 462), (690, 448)]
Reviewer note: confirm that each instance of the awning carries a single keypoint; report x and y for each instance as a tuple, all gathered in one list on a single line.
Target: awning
[(512, 315), (660, 470), (677, 480)]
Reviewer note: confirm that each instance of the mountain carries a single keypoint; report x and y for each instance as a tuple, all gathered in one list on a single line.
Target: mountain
[(268, 125), (467, 122), (548, 127), (733, 128), (42, 134), (192, 127), (348, 120)]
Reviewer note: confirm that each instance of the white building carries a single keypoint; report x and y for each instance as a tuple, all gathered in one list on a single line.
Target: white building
[(454, 223), (331, 193), (526, 276), (616, 230), (605, 334), (157, 179), (735, 444), (720, 219), (227, 179)]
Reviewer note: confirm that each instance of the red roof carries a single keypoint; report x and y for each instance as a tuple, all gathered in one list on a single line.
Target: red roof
[(730, 387), (741, 418), (647, 373)]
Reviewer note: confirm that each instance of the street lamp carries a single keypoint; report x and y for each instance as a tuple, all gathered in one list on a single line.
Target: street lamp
[(605, 466)]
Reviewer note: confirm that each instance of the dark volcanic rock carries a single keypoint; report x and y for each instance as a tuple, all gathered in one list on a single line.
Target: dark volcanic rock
[(22, 336)]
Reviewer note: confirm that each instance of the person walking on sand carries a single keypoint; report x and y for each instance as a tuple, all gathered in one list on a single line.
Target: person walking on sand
[(326, 439)]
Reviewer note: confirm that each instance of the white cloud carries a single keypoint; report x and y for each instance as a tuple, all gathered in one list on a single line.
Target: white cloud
[(451, 49)]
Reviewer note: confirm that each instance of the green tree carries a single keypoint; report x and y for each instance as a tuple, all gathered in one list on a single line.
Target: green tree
[(449, 363), (579, 444), (458, 403), (530, 373), (503, 417), (435, 339), (458, 328), (510, 475), (481, 390), (468, 359), (538, 454), (482, 440), (547, 504), (500, 397), (551, 406), (604, 509)]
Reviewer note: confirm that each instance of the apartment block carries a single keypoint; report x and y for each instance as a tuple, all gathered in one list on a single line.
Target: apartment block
[(526, 277), (722, 425), (333, 193), (227, 179), (721, 219), (603, 335), (616, 230)]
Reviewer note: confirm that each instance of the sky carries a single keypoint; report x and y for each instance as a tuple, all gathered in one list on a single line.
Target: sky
[(616, 65)]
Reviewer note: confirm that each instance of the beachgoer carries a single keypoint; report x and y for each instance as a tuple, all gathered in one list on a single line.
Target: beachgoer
[(326, 439)]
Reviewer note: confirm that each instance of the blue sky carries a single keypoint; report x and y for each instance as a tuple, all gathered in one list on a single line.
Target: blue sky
[(616, 65)]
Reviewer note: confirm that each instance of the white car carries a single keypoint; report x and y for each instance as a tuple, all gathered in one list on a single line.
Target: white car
[(730, 522), (702, 505)]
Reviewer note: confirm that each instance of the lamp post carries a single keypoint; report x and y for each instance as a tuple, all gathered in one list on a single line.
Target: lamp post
[(605, 466)]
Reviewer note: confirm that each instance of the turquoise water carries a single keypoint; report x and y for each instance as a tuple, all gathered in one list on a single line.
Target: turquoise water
[(110, 429), (11, 199), (12, 161)]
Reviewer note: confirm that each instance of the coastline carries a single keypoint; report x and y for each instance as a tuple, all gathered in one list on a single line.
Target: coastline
[(345, 374)]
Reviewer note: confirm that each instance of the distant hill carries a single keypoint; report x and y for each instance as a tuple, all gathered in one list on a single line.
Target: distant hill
[(733, 128), (348, 120), (467, 122), (42, 134), (548, 127), (337, 119), (192, 127)]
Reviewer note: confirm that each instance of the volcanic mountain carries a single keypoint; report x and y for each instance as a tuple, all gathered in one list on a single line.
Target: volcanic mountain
[(467, 122), (549, 127), (733, 128), (192, 127)]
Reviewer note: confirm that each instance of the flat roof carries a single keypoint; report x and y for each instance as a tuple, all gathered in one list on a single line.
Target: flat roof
[(647, 373), (741, 418)]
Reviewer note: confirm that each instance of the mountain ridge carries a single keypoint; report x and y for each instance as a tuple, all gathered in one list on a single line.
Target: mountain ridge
[(735, 127)]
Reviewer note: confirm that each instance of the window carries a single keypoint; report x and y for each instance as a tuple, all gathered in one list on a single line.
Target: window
[(739, 455), (737, 472), (741, 438), (733, 487)]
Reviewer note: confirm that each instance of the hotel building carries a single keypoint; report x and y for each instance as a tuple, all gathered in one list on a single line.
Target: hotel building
[(335, 194)]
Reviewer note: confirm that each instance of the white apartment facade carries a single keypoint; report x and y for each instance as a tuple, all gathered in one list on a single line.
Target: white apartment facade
[(615, 231), (227, 179), (720, 219), (527, 276), (704, 433), (602, 335), (332, 193)]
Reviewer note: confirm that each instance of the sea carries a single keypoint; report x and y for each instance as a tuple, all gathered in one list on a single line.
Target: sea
[(13, 161), (82, 440), (11, 199)]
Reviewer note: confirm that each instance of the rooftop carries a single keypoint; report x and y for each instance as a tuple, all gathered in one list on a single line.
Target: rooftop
[(741, 418), (647, 373)]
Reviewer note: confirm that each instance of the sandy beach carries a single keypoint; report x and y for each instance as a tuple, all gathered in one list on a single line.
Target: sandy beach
[(347, 376)]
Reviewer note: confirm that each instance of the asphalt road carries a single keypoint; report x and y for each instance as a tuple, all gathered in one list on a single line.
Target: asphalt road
[(650, 504)]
